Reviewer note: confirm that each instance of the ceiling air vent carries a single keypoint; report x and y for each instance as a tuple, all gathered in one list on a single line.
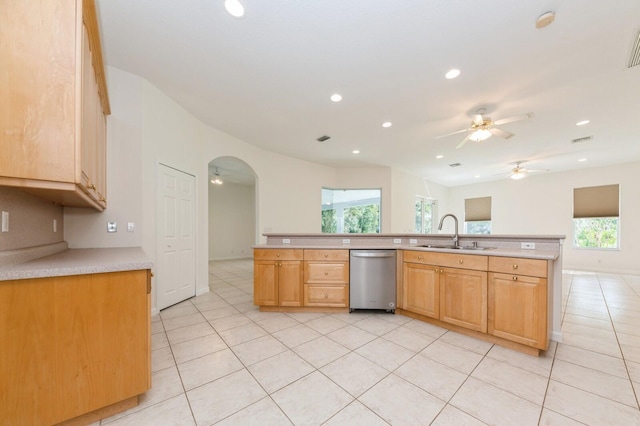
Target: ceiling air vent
[(455, 165), (581, 140), (634, 59), (323, 138)]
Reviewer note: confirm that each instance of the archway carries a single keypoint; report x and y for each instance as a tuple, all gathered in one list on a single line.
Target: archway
[(232, 209)]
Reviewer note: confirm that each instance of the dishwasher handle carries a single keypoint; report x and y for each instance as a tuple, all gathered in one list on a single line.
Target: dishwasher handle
[(372, 254)]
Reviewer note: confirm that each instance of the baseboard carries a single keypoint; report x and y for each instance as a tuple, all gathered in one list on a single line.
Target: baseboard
[(556, 336)]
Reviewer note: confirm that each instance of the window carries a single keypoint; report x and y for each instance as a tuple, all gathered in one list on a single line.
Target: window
[(477, 215), (351, 211), (424, 212), (596, 217)]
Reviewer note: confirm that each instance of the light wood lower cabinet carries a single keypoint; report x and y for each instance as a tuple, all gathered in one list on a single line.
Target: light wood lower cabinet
[(518, 303), (421, 289), (277, 277), (73, 345), (296, 278), (463, 298)]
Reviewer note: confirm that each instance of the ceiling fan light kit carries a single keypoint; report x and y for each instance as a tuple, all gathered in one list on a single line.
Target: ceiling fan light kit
[(480, 135)]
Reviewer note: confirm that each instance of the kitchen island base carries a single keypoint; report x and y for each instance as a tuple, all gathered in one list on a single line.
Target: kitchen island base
[(478, 335)]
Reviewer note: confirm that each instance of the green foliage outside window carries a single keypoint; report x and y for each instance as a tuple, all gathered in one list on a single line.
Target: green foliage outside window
[(478, 227), (598, 232), (362, 219), (329, 222)]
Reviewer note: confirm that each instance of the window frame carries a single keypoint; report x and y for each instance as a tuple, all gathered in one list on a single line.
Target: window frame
[(347, 204)]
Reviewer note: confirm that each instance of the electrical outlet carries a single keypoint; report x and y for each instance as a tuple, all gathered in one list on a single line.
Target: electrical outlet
[(413, 241), (286, 241), (112, 227), (131, 226), (346, 241), (397, 241), (529, 246)]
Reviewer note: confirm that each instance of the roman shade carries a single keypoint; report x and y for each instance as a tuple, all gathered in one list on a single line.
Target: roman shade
[(596, 201), (477, 209)]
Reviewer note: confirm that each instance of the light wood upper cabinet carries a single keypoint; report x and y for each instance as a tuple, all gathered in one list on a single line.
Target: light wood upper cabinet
[(53, 102)]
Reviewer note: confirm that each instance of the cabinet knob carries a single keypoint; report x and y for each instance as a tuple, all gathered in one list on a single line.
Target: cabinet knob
[(326, 272), (461, 261), (515, 278), (515, 266), (91, 186), (326, 295), (326, 255), (277, 254), (419, 257)]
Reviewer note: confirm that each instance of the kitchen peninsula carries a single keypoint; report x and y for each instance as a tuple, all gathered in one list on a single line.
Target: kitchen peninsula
[(502, 288)]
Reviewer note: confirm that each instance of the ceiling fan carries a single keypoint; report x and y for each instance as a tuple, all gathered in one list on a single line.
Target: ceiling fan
[(519, 172), (482, 128)]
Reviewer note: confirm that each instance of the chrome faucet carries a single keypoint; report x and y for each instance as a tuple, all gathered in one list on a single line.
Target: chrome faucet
[(455, 236)]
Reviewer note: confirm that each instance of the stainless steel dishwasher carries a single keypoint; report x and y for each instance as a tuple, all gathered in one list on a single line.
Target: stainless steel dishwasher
[(372, 280)]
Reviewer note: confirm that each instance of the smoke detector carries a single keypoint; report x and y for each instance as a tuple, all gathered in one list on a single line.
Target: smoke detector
[(545, 19)]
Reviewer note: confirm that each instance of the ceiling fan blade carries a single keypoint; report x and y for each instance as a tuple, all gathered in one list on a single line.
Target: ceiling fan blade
[(514, 118), (536, 171), (452, 133), (499, 132), (478, 120), (461, 144)]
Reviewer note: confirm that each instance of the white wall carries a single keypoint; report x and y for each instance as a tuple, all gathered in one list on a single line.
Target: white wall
[(543, 204), (232, 217), (404, 189)]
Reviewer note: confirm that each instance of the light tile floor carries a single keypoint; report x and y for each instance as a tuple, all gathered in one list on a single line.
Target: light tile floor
[(218, 360)]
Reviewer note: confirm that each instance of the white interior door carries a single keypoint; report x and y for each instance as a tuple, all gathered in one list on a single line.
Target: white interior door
[(176, 269)]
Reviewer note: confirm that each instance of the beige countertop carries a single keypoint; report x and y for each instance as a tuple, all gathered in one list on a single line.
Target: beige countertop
[(78, 262), (493, 251)]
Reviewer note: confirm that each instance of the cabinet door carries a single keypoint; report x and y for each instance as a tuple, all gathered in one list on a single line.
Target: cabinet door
[(518, 308), (421, 293), (265, 283), (290, 283), (27, 353), (463, 298), (102, 331)]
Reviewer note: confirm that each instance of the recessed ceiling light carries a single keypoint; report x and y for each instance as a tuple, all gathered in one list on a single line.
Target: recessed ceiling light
[(452, 73), (476, 176), (234, 7), (582, 159), (386, 124), (355, 151), (582, 123), (439, 156), (336, 97)]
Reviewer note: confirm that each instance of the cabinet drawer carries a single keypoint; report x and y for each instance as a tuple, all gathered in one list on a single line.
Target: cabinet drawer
[(342, 255), (277, 254), (451, 260), (326, 273), (519, 266), (326, 295)]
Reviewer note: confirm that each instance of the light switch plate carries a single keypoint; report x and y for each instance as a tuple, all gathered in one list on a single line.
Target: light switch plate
[(131, 226), (529, 246), (286, 241), (5, 221), (346, 241), (413, 241), (397, 241), (112, 227)]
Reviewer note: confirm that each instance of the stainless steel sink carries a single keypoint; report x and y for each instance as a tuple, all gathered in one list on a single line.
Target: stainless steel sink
[(433, 246)]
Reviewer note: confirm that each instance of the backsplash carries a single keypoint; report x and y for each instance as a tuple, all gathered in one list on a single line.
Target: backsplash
[(30, 220)]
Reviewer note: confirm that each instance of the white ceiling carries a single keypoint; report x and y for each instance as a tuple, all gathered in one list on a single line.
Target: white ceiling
[(266, 78)]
